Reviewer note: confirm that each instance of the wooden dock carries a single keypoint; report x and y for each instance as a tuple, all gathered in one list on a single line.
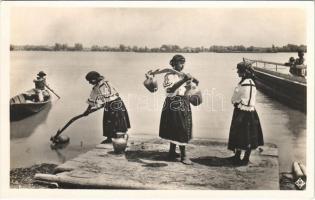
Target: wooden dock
[(145, 166)]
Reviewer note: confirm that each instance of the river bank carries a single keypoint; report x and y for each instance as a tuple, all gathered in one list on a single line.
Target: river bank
[(24, 177), (144, 155)]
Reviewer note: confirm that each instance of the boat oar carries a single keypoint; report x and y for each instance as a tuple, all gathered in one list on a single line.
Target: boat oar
[(51, 90), (58, 139)]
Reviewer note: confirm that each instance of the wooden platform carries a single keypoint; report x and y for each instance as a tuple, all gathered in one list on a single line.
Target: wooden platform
[(145, 166)]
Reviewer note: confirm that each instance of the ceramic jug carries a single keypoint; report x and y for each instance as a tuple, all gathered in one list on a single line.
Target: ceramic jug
[(150, 83), (120, 143), (193, 93)]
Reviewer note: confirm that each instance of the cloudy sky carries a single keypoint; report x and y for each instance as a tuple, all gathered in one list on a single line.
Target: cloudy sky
[(156, 26)]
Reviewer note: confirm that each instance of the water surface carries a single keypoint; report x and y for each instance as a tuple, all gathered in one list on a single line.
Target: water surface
[(65, 74)]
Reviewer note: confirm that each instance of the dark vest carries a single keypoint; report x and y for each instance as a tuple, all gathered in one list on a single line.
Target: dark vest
[(40, 84)]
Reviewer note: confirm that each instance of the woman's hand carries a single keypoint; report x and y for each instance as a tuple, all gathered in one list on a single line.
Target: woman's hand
[(188, 76), (149, 74)]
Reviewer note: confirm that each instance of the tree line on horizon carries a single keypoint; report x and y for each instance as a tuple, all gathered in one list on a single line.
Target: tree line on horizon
[(164, 48)]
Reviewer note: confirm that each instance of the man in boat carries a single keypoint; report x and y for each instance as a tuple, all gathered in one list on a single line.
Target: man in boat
[(295, 64), (300, 60), (291, 64), (40, 83), (298, 65)]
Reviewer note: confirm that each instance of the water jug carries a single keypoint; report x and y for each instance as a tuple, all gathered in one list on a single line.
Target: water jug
[(150, 83), (120, 143), (193, 93)]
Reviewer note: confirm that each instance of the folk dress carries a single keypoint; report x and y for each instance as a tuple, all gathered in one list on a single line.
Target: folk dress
[(176, 117), (115, 117), (245, 130)]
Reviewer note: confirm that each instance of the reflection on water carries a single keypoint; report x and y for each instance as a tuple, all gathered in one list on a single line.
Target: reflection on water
[(25, 127), (286, 128)]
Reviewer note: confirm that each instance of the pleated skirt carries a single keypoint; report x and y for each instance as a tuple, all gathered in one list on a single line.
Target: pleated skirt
[(176, 120), (245, 130), (115, 118)]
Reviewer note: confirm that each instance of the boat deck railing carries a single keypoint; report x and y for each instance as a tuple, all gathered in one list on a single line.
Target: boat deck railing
[(277, 69), (272, 65)]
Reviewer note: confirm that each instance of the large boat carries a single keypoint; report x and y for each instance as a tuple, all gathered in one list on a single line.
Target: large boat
[(275, 80), (25, 104)]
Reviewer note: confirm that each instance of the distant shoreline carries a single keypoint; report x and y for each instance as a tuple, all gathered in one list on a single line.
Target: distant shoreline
[(162, 49), (155, 52)]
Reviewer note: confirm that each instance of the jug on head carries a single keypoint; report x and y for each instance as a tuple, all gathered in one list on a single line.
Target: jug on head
[(120, 142)]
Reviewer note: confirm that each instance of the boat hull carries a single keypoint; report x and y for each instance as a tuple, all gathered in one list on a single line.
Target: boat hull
[(21, 108), (284, 88)]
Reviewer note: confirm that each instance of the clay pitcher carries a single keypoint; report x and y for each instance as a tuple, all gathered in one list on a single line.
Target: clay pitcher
[(120, 143), (193, 93), (150, 83)]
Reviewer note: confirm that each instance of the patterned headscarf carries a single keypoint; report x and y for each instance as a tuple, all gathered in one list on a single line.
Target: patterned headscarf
[(246, 67), (177, 58), (93, 75)]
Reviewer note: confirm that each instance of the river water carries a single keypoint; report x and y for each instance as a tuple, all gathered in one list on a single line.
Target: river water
[(65, 71)]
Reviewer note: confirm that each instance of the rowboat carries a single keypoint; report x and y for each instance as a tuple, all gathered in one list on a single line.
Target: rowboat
[(25, 104), (275, 80)]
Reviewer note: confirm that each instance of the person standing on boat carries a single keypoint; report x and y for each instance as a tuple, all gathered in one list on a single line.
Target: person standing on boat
[(245, 131), (300, 61), (40, 83), (176, 117), (291, 64), (115, 117)]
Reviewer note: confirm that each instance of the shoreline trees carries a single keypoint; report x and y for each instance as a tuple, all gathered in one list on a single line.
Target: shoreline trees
[(165, 48)]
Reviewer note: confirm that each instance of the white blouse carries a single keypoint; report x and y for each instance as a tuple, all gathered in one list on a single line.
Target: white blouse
[(245, 95), (101, 93), (169, 80)]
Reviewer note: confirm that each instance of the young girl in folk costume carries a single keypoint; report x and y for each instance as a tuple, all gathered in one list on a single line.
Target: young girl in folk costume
[(176, 119), (245, 131), (115, 117)]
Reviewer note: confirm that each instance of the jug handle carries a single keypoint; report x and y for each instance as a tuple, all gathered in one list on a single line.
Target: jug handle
[(126, 136)]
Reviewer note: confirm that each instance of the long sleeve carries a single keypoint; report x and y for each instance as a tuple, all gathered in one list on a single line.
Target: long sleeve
[(169, 81), (244, 95), (101, 93)]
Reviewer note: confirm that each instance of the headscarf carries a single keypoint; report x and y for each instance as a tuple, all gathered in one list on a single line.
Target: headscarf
[(93, 75), (177, 58), (246, 68)]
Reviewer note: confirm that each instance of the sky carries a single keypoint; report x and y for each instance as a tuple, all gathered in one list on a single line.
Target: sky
[(153, 27)]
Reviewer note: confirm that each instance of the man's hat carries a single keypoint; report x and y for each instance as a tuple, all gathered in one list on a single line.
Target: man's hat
[(41, 74)]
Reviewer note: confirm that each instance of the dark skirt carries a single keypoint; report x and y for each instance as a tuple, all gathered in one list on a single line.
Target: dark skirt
[(115, 118), (176, 119), (245, 131)]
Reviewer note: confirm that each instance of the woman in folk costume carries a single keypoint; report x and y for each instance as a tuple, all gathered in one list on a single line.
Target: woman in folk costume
[(245, 131), (115, 117), (176, 118)]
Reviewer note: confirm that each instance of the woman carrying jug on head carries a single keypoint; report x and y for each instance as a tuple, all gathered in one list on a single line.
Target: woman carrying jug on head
[(245, 131), (176, 118)]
